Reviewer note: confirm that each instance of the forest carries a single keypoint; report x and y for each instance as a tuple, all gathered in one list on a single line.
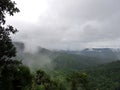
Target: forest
[(70, 72)]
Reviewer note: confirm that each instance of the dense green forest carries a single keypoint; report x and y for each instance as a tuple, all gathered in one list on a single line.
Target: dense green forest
[(101, 77), (105, 77), (71, 72)]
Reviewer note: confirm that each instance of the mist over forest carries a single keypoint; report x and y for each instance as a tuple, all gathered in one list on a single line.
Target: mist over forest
[(46, 58), (59, 45)]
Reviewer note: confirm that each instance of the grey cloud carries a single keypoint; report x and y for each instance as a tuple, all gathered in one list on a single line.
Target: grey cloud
[(74, 24)]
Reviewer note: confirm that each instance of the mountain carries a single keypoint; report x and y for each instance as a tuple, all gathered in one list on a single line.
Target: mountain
[(102, 53), (62, 59)]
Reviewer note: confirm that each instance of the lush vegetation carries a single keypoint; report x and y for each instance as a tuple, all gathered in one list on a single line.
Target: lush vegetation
[(102, 77), (74, 62), (13, 74), (105, 77)]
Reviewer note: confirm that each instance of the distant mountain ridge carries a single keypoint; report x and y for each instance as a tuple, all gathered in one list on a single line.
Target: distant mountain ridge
[(103, 53)]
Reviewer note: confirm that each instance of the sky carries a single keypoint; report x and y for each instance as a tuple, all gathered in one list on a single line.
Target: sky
[(67, 24)]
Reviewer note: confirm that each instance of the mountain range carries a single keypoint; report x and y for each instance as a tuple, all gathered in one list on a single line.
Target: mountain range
[(67, 58)]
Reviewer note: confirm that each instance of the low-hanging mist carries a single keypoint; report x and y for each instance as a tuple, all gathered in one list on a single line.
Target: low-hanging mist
[(60, 59)]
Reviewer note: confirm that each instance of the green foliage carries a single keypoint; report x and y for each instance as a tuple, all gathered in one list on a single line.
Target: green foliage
[(78, 79), (45, 82), (7, 6), (15, 76), (101, 77), (41, 77), (7, 49)]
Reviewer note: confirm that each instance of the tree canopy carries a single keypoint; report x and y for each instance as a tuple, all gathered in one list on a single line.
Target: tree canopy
[(7, 49)]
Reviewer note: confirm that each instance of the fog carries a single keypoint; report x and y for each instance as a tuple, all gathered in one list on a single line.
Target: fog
[(37, 61)]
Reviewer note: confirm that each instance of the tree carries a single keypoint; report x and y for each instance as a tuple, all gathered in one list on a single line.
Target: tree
[(7, 49), (78, 79), (43, 79), (15, 76)]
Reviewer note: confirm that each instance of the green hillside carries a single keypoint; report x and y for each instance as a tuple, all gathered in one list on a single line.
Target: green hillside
[(67, 61), (101, 77), (105, 77)]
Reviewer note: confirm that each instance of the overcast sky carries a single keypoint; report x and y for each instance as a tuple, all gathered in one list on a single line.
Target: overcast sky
[(67, 24)]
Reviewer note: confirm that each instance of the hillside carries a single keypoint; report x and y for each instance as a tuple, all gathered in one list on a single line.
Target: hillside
[(105, 77), (101, 77)]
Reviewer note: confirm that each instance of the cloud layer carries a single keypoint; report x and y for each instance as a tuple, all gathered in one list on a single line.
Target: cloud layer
[(73, 24)]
